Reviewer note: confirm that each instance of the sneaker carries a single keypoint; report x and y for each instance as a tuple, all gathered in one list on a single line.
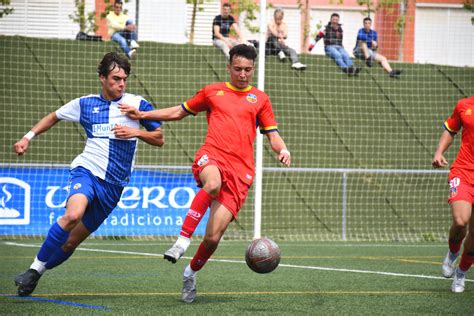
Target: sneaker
[(395, 73), (449, 265), (281, 55), (134, 44), (188, 294), (298, 66), (27, 282), (174, 253), (458, 281), (132, 54), (369, 62)]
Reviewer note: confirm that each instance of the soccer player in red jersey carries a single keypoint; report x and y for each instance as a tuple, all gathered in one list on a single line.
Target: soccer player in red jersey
[(461, 182), (224, 165)]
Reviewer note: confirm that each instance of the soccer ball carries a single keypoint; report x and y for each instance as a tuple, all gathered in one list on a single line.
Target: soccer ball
[(263, 255)]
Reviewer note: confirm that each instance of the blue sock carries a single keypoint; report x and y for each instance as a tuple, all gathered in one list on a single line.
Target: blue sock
[(57, 258), (53, 242)]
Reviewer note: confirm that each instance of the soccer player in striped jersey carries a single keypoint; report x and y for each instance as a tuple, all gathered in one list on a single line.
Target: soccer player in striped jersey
[(461, 182), (99, 174), (224, 165)]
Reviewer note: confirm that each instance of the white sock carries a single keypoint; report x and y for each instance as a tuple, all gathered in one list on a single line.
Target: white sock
[(188, 272), (39, 266), (183, 242)]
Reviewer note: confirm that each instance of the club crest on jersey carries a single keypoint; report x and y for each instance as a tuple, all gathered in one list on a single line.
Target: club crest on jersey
[(203, 160), (95, 110), (453, 186), (252, 98), (469, 111), (77, 186), (220, 92)]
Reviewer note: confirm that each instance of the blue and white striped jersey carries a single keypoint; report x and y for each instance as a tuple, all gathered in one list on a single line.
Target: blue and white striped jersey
[(107, 157)]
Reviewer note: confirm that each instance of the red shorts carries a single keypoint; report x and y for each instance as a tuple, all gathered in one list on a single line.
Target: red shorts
[(460, 190), (233, 191)]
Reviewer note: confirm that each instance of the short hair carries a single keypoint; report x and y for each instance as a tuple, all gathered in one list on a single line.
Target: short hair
[(118, 2), (110, 61), (243, 50), (334, 14), (278, 10), (227, 4), (367, 19)]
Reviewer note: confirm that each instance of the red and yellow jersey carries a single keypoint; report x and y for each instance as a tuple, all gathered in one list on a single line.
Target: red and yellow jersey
[(233, 116), (463, 117)]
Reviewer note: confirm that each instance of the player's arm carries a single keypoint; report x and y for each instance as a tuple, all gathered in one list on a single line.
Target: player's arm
[(155, 137), (272, 29), (174, 113), (445, 141), (279, 147), (42, 126), (236, 28)]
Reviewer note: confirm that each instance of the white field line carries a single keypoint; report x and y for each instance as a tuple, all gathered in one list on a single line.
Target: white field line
[(147, 254)]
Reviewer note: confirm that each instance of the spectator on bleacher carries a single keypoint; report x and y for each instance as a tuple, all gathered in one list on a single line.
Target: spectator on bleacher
[(122, 29), (461, 198), (99, 174), (221, 27), (333, 34), (277, 33), (365, 48)]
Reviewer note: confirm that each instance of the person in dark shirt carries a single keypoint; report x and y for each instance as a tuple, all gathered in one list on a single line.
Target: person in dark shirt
[(221, 27), (366, 46), (332, 34)]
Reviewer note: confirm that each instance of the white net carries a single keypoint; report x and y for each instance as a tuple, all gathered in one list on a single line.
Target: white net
[(361, 145)]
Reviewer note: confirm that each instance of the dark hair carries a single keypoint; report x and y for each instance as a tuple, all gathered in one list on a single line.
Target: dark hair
[(110, 61), (334, 14), (243, 50), (118, 2), (367, 19), (226, 5)]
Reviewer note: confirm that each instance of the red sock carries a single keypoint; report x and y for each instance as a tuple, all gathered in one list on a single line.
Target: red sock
[(454, 245), (201, 257), (467, 259), (198, 208)]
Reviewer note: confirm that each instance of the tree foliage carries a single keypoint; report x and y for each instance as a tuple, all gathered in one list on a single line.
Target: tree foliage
[(5, 10)]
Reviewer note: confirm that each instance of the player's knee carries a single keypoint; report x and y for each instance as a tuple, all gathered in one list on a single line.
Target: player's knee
[(70, 245), (212, 187), (459, 222), (70, 220)]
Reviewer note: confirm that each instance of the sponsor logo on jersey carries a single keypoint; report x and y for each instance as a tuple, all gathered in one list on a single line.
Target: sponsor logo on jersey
[(15, 197), (469, 111), (203, 160), (95, 109), (453, 186), (252, 98), (249, 177), (220, 92), (77, 186)]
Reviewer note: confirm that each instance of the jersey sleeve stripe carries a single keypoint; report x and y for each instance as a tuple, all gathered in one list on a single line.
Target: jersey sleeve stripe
[(268, 129), (446, 126), (186, 107)]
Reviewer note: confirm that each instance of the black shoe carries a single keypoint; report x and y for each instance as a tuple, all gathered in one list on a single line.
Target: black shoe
[(369, 62), (356, 71), (395, 73), (27, 282)]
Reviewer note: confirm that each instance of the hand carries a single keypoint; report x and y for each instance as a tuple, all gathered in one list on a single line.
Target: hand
[(125, 132), (439, 161), (284, 157), (21, 146), (131, 111)]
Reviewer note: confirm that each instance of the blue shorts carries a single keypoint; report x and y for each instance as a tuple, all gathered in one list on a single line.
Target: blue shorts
[(101, 195)]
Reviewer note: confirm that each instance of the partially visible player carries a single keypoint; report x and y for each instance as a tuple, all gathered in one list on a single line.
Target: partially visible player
[(461, 182), (99, 174), (224, 165)]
